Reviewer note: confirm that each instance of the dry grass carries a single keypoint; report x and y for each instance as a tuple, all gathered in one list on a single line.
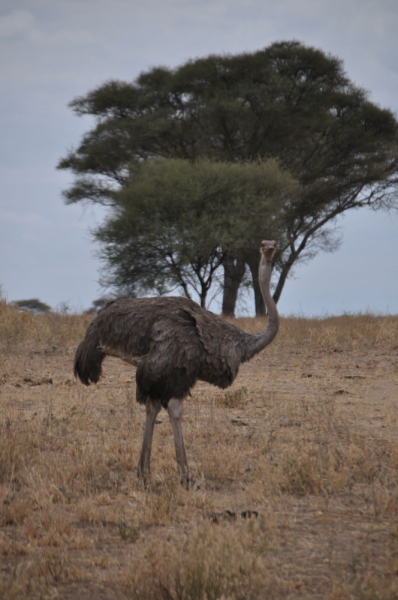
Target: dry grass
[(52, 328), (295, 469)]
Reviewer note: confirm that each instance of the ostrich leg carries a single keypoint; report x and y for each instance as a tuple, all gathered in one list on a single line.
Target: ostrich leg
[(152, 410), (175, 410)]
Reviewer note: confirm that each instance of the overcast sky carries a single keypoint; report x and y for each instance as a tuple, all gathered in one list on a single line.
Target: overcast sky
[(54, 50)]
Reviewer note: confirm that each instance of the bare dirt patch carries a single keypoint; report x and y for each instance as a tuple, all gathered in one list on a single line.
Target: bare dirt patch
[(295, 470)]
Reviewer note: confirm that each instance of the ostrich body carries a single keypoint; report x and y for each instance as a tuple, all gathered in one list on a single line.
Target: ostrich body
[(173, 342)]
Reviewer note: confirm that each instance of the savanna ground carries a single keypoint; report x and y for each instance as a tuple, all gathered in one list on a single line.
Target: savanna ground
[(295, 471)]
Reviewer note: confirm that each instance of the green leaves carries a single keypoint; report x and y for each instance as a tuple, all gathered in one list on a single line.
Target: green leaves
[(175, 221), (287, 102)]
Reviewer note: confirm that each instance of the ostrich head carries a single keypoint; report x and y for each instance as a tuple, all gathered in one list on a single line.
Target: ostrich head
[(268, 249)]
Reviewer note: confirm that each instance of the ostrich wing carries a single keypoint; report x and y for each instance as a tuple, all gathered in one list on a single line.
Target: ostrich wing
[(171, 367)]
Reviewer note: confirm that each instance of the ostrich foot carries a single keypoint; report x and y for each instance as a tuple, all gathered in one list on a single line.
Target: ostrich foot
[(145, 476), (186, 481)]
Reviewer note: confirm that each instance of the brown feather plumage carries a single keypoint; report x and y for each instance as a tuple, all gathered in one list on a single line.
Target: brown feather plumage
[(180, 343)]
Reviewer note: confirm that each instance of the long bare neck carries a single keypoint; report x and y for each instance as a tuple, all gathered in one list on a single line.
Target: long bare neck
[(259, 341)]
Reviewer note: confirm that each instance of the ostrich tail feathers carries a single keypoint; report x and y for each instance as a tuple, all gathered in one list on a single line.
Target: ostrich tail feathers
[(88, 360)]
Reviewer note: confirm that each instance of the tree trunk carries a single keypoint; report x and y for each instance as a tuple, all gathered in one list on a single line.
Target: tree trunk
[(259, 304), (283, 276), (203, 296), (234, 270), (280, 285)]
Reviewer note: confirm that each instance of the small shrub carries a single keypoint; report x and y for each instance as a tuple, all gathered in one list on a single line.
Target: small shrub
[(17, 450), (232, 398), (303, 475), (128, 531)]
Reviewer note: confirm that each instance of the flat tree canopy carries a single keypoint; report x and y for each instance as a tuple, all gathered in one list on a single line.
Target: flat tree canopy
[(288, 101), (33, 305)]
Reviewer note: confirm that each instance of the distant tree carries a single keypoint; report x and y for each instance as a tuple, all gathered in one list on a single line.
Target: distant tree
[(287, 101), (99, 303), (33, 305), (175, 223)]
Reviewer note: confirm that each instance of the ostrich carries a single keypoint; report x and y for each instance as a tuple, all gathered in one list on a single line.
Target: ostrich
[(173, 342)]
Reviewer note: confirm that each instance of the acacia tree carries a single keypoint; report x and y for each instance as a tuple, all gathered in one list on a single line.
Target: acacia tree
[(287, 101), (33, 305), (176, 222)]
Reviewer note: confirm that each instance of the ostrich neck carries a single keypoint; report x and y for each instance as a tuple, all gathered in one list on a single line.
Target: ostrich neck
[(259, 341)]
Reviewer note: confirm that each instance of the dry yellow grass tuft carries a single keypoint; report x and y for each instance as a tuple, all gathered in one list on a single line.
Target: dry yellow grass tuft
[(295, 469), (18, 326)]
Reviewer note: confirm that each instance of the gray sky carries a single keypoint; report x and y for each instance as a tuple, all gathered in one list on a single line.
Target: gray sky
[(54, 50)]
